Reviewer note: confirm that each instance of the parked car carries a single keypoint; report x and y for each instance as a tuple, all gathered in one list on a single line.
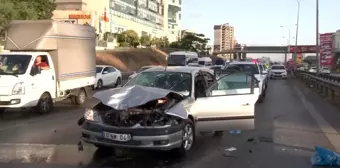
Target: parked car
[(325, 70), (107, 76), (162, 108), (312, 70)]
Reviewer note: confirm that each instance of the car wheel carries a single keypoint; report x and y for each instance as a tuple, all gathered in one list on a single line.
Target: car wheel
[(99, 84), (45, 104), (80, 98), (118, 82), (188, 138)]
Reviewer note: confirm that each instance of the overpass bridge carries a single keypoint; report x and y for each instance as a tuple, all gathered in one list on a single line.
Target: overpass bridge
[(270, 49)]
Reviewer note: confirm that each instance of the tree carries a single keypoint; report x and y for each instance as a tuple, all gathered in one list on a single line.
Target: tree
[(145, 40), (24, 10), (130, 37), (192, 42)]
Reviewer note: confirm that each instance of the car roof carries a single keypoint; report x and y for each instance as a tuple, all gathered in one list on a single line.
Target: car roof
[(184, 69), (104, 66), (242, 62)]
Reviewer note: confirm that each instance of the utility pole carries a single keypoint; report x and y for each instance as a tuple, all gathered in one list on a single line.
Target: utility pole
[(297, 30), (317, 36)]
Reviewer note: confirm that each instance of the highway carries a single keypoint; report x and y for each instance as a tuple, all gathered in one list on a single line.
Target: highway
[(289, 124)]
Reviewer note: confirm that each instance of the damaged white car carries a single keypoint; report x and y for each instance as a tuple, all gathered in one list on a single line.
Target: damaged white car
[(162, 109)]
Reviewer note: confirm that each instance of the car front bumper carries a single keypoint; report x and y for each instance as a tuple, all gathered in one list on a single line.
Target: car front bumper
[(154, 139), (277, 75)]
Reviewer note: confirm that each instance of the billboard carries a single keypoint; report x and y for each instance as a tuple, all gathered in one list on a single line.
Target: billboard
[(326, 49), (302, 49)]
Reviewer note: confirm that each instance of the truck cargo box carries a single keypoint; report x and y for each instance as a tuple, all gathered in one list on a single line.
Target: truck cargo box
[(71, 46)]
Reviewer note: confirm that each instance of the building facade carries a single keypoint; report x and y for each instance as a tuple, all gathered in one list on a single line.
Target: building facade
[(224, 38), (173, 17), (157, 18)]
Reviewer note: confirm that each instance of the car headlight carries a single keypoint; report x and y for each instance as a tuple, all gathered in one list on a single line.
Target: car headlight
[(285, 72), (91, 115), (18, 89)]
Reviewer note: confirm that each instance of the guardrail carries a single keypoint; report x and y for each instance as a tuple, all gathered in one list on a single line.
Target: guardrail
[(325, 84)]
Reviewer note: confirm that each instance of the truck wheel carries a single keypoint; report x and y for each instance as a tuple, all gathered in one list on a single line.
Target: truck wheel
[(188, 139), (118, 82), (45, 104), (80, 98), (99, 84)]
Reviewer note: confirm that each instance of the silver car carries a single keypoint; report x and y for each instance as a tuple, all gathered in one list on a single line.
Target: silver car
[(161, 109)]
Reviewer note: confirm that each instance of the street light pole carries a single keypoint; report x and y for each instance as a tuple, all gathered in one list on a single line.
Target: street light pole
[(297, 29), (289, 37), (317, 36)]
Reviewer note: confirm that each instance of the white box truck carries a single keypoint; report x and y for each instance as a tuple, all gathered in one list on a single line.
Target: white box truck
[(67, 49)]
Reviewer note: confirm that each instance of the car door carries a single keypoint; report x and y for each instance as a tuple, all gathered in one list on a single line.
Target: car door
[(113, 74), (229, 104), (106, 76)]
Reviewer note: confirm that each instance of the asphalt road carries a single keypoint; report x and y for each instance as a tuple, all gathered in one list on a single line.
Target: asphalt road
[(289, 124)]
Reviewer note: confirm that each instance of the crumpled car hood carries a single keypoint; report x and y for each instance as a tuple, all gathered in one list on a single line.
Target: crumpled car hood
[(131, 96)]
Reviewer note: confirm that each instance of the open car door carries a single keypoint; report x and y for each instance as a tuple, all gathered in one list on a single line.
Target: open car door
[(229, 104)]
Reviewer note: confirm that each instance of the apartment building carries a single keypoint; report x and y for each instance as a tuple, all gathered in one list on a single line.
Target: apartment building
[(224, 38), (157, 18), (173, 19)]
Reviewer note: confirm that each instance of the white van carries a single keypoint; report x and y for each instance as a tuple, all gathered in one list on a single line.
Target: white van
[(182, 58)]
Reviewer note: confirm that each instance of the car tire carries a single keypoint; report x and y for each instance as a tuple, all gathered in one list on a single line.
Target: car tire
[(99, 84), (118, 82), (80, 98), (45, 104), (188, 137)]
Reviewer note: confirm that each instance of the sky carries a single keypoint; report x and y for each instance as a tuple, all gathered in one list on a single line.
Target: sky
[(258, 22)]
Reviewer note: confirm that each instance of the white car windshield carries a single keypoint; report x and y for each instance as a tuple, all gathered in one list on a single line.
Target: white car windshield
[(177, 81)]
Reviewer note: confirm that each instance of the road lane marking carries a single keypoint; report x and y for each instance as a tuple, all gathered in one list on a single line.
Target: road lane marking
[(331, 134)]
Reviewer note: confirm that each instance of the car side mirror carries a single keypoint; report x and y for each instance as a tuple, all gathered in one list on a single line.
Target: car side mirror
[(35, 70), (105, 72)]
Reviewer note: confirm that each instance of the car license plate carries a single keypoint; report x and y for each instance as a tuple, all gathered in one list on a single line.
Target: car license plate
[(117, 137)]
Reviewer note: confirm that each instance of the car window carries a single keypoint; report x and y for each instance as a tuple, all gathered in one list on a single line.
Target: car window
[(111, 69), (237, 83), (247, 68), (278, 67), (99, 69), (209, 77), (106, 69), (176, 81)]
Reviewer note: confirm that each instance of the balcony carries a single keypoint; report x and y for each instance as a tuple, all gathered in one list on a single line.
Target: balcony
[(172, 21), (177, 4)]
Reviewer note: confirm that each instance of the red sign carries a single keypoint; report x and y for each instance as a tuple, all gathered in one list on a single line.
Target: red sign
[(326, 49), (79, 16), (302, 49)]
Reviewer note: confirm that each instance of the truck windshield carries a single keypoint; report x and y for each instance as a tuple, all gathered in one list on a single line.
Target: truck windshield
[(176, 60), (176, 81), (14, 64)]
